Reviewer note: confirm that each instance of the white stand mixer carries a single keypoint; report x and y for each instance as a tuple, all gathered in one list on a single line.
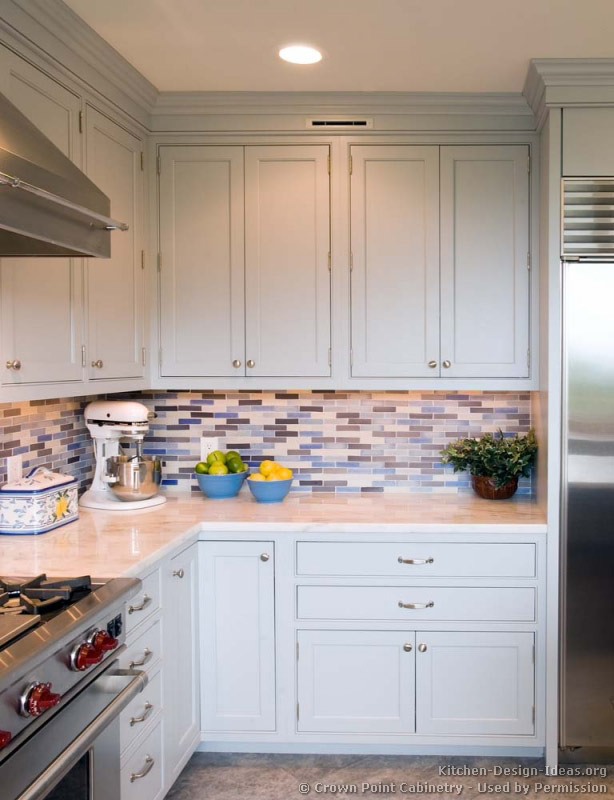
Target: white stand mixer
[(110, 421)]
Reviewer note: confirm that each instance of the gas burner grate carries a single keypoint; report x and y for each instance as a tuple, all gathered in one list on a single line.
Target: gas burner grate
[(39, 595)]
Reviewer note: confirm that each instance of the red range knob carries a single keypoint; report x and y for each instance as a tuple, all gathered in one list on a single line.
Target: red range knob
[(40, 699), (85, 656), (102, 640), (5, 738)]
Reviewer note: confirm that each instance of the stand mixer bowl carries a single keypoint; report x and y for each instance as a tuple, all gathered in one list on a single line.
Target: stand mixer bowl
[(136, 478)]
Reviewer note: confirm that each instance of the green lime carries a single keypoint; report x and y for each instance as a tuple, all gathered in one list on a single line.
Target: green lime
[(218, 468), (201, 468), (216, 455), (232, 454), (235, 465)]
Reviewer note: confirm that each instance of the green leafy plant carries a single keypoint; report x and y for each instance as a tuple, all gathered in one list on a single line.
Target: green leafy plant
[(495, 456)]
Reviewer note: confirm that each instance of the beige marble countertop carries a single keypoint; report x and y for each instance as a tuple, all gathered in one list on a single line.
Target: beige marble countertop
[(111, 543)]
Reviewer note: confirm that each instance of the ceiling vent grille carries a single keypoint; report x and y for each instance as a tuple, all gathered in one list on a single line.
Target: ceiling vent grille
[(340, 123), (588, 218)]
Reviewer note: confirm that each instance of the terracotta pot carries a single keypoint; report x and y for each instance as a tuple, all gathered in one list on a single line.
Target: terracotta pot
[(485, 487)]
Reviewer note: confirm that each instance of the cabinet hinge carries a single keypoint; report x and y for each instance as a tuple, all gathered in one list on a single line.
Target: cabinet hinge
[(160, 357), (159, 261), (144, 356), (142, 259), (528, 356), (330, 357), (80, 121), (351, 165), (533, 714), (529, 164), (330, 261), (83, 354), (529, 260), (159, 165), (351, 261), (328, 163), (142, 161), (297, 712), (534, 654), (351, 357)]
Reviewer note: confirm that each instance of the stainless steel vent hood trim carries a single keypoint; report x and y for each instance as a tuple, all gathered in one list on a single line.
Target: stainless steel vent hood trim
[(56, 210)]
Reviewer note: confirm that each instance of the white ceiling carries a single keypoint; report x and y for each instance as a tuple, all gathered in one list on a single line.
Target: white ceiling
[(369, 45)]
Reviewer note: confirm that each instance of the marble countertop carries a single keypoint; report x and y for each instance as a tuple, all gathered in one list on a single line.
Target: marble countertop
[(106, 544)]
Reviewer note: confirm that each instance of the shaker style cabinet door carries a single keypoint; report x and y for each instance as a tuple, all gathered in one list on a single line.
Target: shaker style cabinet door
[(356, 681), (115, 285), (287, 244), (484, 252), (40, 297), (237, 636), (202, 261), (181, 660), (395, 261), (474, 683)]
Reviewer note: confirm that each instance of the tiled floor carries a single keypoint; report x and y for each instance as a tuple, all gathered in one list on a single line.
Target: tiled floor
[(215, 776)]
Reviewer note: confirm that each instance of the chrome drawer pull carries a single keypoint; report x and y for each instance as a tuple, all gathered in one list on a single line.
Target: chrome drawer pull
[(144, 604), (178, 573), (135, 720), (402, 560), (416, 605), (147, 654), (149, 762)]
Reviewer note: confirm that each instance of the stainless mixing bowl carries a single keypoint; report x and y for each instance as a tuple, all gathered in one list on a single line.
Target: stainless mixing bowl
[(137, 478)]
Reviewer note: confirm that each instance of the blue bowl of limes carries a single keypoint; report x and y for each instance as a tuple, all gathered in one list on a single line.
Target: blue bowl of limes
[(219, 486), (221, 475)]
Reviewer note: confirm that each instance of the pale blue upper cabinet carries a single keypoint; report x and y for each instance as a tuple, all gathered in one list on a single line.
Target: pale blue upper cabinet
[(485, 279), (588, 142)]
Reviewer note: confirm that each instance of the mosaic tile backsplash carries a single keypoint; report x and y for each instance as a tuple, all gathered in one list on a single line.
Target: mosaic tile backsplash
[(334, 441)]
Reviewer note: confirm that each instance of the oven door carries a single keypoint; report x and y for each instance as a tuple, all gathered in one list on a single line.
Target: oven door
[(75, 756)]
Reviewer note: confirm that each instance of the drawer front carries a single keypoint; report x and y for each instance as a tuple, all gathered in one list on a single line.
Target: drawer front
[(419, 560), (145, 650), (141, 772), (138, 714), (419, 603), (145, 603)]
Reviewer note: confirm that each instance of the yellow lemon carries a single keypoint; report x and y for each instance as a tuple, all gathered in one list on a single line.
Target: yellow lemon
[(257, 477), (267, 467), (283, 474)]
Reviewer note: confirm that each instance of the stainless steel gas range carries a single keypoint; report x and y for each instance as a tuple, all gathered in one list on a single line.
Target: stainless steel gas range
[(61, 689)]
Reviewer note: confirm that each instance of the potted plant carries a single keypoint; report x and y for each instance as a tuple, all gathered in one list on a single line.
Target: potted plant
[(494, 461)]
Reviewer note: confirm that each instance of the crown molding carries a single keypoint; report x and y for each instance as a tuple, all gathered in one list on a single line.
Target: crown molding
[(179, 103), (556, 82), (50, 30)]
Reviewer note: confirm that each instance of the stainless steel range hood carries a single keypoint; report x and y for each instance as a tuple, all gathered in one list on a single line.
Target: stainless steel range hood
[(48, 207)]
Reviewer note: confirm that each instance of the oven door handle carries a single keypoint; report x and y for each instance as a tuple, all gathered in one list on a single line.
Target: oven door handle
[(47, 779)]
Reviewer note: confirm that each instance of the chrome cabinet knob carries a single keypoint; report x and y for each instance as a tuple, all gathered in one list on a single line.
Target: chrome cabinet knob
[(251, 363), (432, 364), (98, 363), (15, 364), (265, 557), (178, 573), (422, 648), (236, 363), (447, 364), (407, 647)]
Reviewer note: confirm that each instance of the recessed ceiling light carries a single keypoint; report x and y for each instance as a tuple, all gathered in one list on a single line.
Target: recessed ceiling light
[(300, 54)]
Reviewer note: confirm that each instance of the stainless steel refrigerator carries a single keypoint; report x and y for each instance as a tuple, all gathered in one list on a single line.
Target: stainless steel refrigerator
[(587, 557)]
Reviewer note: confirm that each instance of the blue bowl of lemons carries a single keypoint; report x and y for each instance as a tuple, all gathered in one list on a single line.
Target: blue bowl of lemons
[(221, 475), (271, 483)]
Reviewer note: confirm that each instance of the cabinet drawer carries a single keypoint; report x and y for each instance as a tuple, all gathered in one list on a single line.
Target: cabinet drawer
[(145, 602), (138, 714), (413, 560), (141, 772), (430, 604), (144, 650)]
